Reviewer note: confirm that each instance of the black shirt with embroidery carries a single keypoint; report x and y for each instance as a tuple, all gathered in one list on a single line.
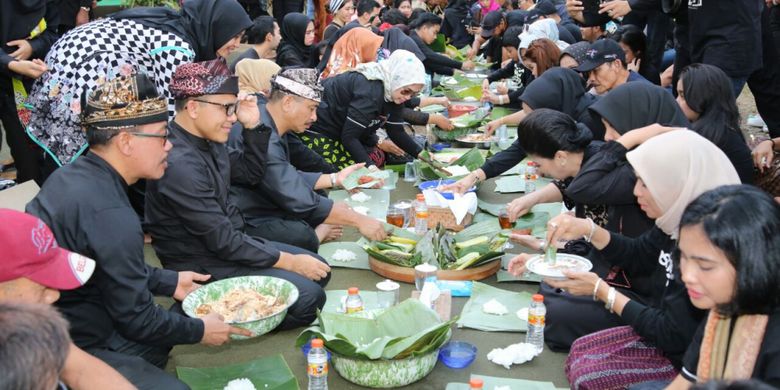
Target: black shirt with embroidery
[(669, 321), (86, 206)]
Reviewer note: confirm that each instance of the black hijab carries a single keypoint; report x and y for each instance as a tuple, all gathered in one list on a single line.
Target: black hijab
[(293, 31), (396, 39), (634, 105), (205, 24)]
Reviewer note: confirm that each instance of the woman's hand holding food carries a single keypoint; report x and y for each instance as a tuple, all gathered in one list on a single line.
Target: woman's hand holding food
[(763, 154), (578, 283), (516, 265), (519, 207)]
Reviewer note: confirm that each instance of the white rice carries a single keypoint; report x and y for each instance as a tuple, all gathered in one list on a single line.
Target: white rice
[(344, 255), (458, 170), (361, 210), (360, 197), (240, 384)]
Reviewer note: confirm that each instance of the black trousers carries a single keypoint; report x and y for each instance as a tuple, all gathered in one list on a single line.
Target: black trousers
[(293, 232), (311, 295), (25, 153), (141, 364), (765, 82)]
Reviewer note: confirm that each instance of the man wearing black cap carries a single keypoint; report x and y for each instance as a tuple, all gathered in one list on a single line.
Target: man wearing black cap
[(114, 316), (544, 9), (193, 223), (284, 206), (493, 27), (605, 65)]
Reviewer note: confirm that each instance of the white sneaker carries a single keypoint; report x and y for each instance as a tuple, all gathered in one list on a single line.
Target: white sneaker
[(755, 121)]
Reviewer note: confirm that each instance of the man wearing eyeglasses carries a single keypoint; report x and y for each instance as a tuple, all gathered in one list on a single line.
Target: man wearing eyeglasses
[(114, 316), (193, 223)]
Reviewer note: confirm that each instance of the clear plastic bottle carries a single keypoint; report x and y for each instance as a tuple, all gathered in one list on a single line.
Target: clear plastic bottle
[(354, 302), (536, 314), (531, 175), (420, 215), (476, 384), (317, 366)]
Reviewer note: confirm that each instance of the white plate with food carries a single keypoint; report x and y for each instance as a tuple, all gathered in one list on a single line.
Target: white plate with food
[(476, 138), (563, 261)]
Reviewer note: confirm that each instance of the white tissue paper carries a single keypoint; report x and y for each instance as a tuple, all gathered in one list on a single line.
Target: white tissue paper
[(429, 294), (514, 354), (460, 206)]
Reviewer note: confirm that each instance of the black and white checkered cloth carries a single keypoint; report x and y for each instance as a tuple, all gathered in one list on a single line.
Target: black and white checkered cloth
[(83, 58)]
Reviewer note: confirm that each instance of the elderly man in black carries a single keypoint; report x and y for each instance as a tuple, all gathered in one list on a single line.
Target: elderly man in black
[(113, 316), (194, 225), (284, 206)]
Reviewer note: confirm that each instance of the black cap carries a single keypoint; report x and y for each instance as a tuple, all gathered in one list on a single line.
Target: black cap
[(490, 22), (545, 7), (601, 52)]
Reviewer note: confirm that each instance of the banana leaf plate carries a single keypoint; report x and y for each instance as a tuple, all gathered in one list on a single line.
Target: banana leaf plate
[(376, 206), (268, 373), (473, 317), (328, 249)]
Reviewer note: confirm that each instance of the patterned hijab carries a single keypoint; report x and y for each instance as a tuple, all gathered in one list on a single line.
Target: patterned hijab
[(402, 68), (254, 76), (676, 168), (357, 46)]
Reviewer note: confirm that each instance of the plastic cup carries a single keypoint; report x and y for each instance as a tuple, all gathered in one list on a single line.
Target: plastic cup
[(410, 173), (388, 293)]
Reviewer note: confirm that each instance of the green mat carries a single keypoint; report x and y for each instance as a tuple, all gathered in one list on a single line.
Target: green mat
[(329, 248), (473, 317), (515, 384), (377, 205), (270, 373)]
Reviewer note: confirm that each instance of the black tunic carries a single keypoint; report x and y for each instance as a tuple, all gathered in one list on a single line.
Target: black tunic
[(351, 111), (85, 204), (284, 191), (192, 222)]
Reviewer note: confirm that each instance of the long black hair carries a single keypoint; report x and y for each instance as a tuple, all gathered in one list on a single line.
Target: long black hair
[(707, 90), (633, 37), (544, 132), (744, 223)]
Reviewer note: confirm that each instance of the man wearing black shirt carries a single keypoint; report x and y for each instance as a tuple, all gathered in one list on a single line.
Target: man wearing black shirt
[(113, 316), (263, 38), (193, 223)]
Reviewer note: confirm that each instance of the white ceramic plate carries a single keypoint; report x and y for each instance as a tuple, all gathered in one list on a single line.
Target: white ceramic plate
[(538, 266)]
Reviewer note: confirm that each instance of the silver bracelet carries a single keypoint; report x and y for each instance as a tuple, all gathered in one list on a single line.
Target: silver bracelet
[(611, 299), (589, 237), (333, 180), (596, 289)]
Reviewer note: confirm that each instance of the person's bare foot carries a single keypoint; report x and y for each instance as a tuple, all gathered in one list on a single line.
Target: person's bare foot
[(327, 232)]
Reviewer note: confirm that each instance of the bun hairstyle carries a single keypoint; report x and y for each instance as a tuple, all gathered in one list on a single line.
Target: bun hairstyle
[(544, 132)]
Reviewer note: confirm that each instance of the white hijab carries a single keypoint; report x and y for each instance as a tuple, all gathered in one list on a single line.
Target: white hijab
[(402, 68), (545, 28), (676, 168)]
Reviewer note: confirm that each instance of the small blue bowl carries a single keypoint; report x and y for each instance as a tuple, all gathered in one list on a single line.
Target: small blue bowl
[(440, 146), (457, 354), (432, 184), (306, 347)]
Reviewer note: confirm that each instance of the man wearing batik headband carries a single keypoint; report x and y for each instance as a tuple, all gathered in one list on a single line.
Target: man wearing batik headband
[(193, 223), (114, 316), (284, 206)]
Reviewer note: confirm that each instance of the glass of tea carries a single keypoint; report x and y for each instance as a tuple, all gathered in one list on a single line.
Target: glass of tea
[(405, 207), (503, 219), (395, 216)]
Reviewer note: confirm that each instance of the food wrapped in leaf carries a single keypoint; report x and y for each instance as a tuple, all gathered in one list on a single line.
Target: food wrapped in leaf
[(472, 160)]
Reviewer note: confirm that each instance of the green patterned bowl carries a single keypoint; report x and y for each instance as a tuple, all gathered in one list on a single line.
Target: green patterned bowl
[(266, 285), (385, 374)]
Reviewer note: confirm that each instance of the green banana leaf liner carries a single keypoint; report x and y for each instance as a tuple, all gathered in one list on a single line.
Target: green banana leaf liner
[(270, 373), (473, 159)]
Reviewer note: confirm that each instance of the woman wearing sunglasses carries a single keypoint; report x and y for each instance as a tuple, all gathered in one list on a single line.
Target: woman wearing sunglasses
[(357, 103)]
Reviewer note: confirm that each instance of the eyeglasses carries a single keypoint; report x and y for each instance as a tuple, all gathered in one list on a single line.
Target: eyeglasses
[(150, 135), (230, 108), (409, 92)]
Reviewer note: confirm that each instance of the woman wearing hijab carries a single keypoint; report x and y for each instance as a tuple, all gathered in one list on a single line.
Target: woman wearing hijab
[(405, 6), (254, 76), (357, 103), (729, 238), (673, 168), (154, 39), (297, 39), (342, 11), (357, 46), (545, 28), (706, 98)]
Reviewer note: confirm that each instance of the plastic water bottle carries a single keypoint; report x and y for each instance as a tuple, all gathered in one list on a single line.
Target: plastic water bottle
[(420, 215), (428, 82), (317, 366), (536, 314), (354, 302)]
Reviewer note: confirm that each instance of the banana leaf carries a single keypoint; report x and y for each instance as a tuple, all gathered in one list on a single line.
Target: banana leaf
[(473, 91), (472, 160), (500, 112), (380, 337), (351, 181), (451, 135), (473, 317), (271, 373), (411, 262), (439, 45), (487, 228)]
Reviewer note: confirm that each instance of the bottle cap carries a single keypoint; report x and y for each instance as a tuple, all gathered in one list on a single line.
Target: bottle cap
[(530, 163), (352, 291), (316, 343), (476, 383), (538, 297), (420, 197)]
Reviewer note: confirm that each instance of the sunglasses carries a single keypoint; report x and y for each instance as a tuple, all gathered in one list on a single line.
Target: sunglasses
[(409, 92), (230, 108)]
